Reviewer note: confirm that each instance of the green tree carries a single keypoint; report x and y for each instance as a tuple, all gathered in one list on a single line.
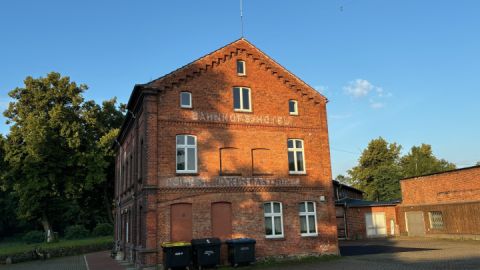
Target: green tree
[(57, 148), (420, 160), (378, 171)]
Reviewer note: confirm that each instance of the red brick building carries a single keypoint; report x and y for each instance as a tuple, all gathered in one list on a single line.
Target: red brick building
[(441, 205), (230, 145), (360, 219)]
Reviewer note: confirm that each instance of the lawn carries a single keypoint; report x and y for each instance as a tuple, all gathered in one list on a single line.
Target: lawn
[(19, 251)]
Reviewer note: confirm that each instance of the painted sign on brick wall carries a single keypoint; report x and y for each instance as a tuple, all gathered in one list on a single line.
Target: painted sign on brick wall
[(230, 181), (241, 118)]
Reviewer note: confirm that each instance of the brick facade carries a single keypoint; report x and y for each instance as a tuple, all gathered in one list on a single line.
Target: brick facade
[(356, 225), (242, 157), (453, 195)]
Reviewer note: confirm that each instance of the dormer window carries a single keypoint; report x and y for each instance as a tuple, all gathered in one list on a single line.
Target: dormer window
[(241, 68), (186, 100), (293, 107)]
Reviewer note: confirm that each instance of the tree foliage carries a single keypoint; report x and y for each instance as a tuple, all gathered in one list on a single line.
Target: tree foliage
[(377, 172), (420, 161), (58, 152), (380, 168)]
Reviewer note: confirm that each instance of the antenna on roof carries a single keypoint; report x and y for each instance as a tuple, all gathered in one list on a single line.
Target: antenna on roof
[(241, 16)]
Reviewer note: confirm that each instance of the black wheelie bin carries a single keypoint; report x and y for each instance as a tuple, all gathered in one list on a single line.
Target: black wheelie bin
[(241, 251), (177, 255), (206, 252)]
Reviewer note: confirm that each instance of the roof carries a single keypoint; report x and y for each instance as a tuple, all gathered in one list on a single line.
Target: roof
[(208, 62), (444, 172), (335, 182), (363, 203)]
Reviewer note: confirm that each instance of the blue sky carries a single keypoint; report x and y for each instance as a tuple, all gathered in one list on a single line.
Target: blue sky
[(405, 70)]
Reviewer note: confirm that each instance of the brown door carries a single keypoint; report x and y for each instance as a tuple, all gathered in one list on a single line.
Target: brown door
[(181, 222), (222, 220)]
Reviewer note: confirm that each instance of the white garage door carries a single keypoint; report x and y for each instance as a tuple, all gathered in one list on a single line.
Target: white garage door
[(376, 224)]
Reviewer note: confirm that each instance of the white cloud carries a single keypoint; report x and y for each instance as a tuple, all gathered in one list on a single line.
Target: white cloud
[(359, 88)]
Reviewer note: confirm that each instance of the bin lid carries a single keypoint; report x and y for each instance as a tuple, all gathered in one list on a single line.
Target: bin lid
[(206, 241), (241, 241), (175, 244)]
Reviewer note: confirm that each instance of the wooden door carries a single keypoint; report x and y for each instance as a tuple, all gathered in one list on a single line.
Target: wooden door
[(181, 222)]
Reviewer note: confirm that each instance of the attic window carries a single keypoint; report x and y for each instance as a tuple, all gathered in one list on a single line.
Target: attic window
[(293, 107), (241, 68), (186, 100)]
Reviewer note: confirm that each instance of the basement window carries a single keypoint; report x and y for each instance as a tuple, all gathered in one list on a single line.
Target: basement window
[(242, 99), (241, 68), (293, 107), (436, 219), (186, 100)]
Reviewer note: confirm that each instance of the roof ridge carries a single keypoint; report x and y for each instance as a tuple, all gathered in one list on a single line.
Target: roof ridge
[(196, 60)]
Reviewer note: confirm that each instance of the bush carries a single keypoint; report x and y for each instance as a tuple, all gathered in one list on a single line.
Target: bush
[(34, 237), (76, 232), (103, 229)]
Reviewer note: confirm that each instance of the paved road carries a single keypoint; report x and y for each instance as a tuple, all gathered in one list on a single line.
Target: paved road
[(411, 254)]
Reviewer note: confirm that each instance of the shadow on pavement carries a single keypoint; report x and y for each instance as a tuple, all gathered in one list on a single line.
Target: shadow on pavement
[(376, 249)]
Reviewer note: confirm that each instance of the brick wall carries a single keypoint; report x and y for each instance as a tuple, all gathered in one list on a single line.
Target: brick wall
[(356, 225), (258, 150), (455, 186)]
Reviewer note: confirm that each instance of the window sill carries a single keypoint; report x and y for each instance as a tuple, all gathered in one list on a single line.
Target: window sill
[(293, 114), (242, 111), (297, 173), (309, 235), (281, 238), (187, 174), (186, 108)]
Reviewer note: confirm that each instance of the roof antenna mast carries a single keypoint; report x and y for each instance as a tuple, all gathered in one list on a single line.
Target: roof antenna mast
[(241, 16)]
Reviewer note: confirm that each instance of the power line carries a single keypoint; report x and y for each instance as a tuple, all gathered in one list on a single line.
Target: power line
[(345, 151)]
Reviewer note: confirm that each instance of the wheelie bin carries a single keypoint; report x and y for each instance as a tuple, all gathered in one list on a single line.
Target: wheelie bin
[(206, 252), (241, 251), (177, 255)]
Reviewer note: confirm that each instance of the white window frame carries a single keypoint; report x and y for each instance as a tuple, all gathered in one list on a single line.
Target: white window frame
[(242, 88), (295, 150), (272, 215), (296, 107), (244, 68), (306, 214), (185, 148), (190, 99)]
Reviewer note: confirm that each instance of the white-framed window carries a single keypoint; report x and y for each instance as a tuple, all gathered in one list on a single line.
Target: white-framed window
[(241, 68), (186, 154), (242, 99), (436, 219), (273, 219), (308, 218), (185, 100), (296, 157), (293, 107)]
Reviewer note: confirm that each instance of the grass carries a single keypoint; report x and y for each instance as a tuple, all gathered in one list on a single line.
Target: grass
[(269, 263), (14, 247)]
